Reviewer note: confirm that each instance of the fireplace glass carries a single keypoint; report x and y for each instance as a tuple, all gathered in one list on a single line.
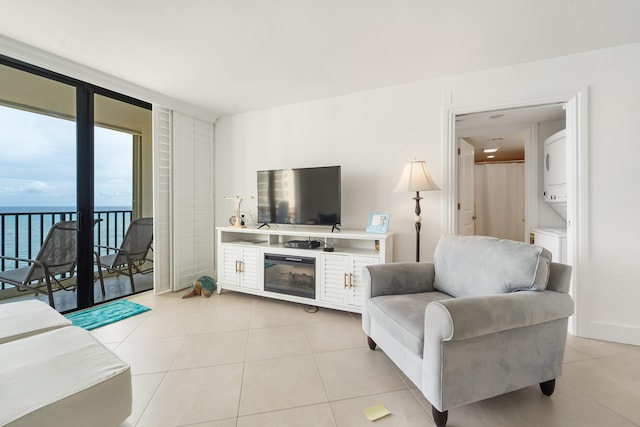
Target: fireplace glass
[(290, 275)]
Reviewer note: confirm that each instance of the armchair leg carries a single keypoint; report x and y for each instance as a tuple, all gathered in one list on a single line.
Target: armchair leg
[(548, 387), (372, 343), (440, 418)]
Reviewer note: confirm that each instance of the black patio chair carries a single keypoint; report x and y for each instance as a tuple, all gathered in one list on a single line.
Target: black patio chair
[(56, 260), (132, 253)]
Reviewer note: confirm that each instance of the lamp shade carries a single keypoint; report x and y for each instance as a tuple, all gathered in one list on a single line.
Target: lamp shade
[(415, 177)]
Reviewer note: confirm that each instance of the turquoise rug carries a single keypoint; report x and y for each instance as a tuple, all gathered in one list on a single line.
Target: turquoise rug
[(105, 314)]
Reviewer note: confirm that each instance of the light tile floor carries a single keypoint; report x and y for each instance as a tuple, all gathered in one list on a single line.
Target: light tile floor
[(239, 360)]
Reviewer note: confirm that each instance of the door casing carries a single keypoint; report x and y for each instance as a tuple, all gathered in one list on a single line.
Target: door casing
[(576, 102)]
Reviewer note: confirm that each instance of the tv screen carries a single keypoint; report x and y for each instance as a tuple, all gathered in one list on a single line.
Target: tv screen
[(306, 196)]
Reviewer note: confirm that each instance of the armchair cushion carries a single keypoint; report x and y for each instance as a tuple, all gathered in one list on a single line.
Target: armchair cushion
[(402, 316), (480, 265)]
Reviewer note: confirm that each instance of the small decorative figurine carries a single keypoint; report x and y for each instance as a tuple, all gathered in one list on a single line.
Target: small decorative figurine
[(204, 286)]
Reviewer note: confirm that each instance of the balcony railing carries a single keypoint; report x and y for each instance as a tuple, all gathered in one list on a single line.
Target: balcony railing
[(22, 233)]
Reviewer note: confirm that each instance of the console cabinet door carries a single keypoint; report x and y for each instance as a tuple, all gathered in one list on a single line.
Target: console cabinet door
[(334, 278), (239, 266), (249, 277), (356, 264), (229, 266), (342, 278)]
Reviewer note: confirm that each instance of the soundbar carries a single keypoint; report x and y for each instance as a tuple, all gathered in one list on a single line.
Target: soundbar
[(302, 244)]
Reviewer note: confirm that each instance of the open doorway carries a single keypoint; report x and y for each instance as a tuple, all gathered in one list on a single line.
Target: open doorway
[(499, 171), (574, 106)]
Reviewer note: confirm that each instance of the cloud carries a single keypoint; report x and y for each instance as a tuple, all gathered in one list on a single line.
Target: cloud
[(15, 186), (37, 187), (38, 162), (112, 194), (118, 182)]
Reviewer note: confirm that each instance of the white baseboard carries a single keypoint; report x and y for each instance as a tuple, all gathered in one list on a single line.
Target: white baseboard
[(625, 334)]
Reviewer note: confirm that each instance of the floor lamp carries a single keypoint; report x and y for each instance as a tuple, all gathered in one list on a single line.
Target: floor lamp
[(415, 177)]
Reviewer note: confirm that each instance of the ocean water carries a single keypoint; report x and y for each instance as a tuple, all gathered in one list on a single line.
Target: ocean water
[(18, 222)]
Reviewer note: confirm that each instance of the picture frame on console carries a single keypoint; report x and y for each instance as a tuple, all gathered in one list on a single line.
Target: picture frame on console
[(378, 223)]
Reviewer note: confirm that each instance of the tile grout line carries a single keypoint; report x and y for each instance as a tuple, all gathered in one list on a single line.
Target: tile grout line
[(324, 385)]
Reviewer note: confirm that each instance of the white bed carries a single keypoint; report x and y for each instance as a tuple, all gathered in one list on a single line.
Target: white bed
[(53, 374), (24, 318)]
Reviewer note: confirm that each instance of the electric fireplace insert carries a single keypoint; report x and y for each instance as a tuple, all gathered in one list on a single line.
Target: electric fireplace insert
[(291, 275)]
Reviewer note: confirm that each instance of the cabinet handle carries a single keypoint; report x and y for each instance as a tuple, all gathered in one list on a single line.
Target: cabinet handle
[(345, 280), (350, 280), (241, 266)]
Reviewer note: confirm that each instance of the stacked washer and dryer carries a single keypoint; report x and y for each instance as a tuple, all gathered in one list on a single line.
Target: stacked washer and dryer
[(555, 194)]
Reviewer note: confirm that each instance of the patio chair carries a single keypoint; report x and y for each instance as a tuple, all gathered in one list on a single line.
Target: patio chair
[(56, 259), (131, 254)]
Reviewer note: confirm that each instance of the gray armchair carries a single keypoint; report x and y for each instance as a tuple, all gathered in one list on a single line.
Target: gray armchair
[(487, 317)]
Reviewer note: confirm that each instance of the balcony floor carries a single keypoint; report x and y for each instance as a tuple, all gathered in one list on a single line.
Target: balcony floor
[(115, 287)]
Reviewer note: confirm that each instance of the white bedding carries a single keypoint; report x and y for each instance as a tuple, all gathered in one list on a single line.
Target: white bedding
[(25, 318), (63, 377)]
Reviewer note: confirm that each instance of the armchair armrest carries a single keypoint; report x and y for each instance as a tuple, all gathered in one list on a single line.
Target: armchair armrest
[(398, 278), (462, 318), (393, 279)]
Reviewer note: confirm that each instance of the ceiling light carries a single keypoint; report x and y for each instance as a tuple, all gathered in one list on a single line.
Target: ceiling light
[(489, 150), (491, 156)]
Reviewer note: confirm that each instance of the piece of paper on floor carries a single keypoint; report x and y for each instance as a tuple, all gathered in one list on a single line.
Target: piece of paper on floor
[(376, 412)]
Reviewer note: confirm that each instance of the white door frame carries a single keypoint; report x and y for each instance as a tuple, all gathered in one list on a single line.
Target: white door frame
[(577, 155)]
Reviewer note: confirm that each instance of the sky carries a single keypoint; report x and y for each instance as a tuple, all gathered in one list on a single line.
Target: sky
[(38, 156)]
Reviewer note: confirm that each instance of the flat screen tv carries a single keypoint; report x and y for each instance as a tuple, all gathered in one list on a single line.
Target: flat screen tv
[(304, 196)]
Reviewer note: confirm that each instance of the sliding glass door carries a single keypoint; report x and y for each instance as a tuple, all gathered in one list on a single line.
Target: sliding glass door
[(122, 190), (38, 175), (69, 151)]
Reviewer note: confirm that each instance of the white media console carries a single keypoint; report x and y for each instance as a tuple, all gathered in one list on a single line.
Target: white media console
[(260, 262)]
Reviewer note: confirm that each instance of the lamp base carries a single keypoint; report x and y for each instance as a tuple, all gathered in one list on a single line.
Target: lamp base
[(418, 220)]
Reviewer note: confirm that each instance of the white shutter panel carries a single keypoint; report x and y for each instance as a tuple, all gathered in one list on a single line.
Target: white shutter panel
[(193, 233), (161, 199), (183, 201), (203, 197)]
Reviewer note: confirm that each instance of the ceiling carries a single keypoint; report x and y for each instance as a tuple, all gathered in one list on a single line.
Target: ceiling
[(506, 130), (230, 56)]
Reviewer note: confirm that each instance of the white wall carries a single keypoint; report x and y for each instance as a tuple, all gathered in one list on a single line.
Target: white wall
[(372, 134)]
